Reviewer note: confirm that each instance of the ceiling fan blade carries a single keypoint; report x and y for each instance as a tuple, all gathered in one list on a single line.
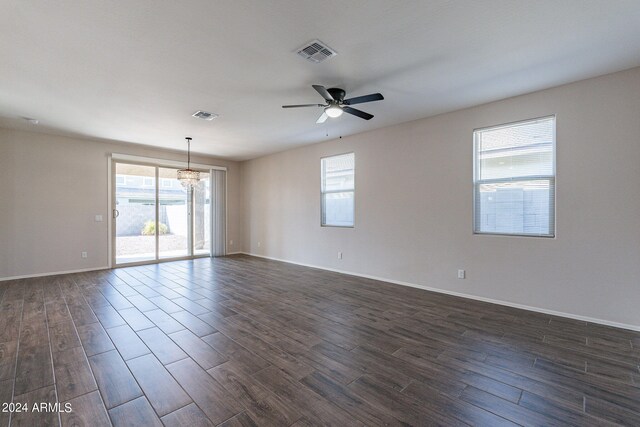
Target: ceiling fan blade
[(358, 113), (323, 92), (363, 99), (303, 105), (322, 118)]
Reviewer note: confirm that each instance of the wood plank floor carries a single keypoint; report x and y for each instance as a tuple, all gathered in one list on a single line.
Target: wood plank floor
[(242, 341)]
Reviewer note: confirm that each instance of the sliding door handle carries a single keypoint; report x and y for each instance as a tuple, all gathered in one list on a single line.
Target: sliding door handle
[(116, 213)]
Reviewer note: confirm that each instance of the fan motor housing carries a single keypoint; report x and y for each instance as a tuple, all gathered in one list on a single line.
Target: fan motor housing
[(337, 93)]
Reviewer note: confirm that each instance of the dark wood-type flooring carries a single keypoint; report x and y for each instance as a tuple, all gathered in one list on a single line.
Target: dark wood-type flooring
[(242, 341)]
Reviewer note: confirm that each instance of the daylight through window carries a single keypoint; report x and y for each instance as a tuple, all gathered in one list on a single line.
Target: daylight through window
[(338, 190), (514, 178)]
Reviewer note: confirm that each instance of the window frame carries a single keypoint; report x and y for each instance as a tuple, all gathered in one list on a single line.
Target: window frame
[(322, 192), (476, 183)]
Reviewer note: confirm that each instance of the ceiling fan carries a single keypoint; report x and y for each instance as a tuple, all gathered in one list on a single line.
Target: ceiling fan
[(336, 104)]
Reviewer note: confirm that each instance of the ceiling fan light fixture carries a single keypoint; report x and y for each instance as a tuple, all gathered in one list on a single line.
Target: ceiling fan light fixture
[(335, 104), (333, 111)]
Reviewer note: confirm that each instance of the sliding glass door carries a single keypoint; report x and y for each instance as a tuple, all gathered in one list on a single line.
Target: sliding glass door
[(156, 218), (135, 213), (173, 202)]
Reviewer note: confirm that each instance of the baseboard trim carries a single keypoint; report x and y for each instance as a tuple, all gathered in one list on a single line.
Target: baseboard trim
[(54, 273), (460, 294)]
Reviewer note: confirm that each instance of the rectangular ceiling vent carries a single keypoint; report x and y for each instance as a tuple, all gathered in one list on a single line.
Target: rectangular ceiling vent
[(204, 115), (315, 51)]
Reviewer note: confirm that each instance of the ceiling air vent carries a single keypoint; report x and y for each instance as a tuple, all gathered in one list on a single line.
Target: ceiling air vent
[(316, 51), (204, 115)]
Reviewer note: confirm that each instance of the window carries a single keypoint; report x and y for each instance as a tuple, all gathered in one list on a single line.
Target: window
[(120, 180), (338, 190), (166, 182), (148, 181), (514, 178)]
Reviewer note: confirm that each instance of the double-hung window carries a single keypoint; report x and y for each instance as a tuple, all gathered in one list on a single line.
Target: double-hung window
[(338, 190), (514, 178)]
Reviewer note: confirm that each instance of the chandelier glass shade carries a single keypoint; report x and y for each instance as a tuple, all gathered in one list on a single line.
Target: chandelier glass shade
[(188, 177)]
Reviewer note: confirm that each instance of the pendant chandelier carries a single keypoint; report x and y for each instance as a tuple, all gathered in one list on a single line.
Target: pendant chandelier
[(188, 177)]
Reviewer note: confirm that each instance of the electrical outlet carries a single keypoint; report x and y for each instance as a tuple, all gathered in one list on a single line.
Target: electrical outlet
[(98, 218), (230, 242), (339, 255), (259, 244), (461, 274), (83, 254)]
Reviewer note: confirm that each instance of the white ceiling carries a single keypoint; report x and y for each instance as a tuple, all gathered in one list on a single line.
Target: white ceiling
[(136, 70)]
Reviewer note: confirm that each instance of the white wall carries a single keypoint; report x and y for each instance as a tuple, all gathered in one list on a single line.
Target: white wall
[(52, 187), (414, 205)]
